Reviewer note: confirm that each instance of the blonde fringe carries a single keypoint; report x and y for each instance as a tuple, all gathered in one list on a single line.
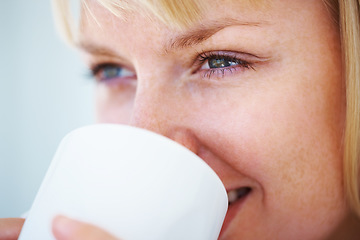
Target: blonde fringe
[(349, 26), (64, 20), (173, 13), (183, 12)]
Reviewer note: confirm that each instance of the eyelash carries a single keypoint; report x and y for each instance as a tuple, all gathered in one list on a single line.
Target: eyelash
[(97, 69), (227, 56), (203, 58)]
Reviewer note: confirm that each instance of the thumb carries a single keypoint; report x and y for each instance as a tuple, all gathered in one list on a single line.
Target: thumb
[(10, 228), (65, 228)]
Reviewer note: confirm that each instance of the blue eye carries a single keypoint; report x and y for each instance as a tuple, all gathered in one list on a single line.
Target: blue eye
[(108, 72), (220, 63)]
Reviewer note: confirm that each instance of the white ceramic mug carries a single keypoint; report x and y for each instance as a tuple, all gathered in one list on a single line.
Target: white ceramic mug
[(131, 182)]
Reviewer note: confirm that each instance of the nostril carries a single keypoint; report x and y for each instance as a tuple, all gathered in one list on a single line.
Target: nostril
[(237, 194)]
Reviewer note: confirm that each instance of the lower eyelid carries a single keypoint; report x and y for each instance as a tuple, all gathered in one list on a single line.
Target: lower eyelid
[(226, 71), (119, 83), (219, 72)]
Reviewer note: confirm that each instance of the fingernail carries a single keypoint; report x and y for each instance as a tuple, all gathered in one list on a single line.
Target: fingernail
[(64, 226)]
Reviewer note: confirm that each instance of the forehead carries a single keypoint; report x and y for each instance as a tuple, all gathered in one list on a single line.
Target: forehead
[(173, 13), (102, 23), (99, 24), (176, 12), (186, 13)]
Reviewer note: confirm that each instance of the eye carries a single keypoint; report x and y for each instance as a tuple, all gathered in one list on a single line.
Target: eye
[(109, 72), (220, 63)]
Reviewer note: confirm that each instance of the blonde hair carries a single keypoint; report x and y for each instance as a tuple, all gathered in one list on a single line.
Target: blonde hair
[(178, 13), (349, 18), (346, 14)]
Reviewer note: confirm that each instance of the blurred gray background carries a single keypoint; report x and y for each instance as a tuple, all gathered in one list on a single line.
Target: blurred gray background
[(43, 95)]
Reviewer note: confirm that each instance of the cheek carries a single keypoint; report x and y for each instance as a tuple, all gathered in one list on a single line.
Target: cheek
[(114, 103), (287, 136)]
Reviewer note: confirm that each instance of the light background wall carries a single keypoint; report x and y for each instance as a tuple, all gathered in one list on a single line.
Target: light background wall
[(43, 95)]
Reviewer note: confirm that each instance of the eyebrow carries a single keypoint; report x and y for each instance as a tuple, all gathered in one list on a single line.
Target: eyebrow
[(96, 49), (202, 32)]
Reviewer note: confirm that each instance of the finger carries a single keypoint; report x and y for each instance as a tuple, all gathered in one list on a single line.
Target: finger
[(69, 229), (10, 228)]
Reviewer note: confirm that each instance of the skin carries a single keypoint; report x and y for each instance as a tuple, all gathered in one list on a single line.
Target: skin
[(69, 229), (275, 127), (10, 228)]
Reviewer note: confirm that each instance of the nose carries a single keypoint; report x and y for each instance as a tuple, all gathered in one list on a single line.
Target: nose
[(161, 110)]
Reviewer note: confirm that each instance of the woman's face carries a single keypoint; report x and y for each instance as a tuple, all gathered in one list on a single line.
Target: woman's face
[(255, 91)]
